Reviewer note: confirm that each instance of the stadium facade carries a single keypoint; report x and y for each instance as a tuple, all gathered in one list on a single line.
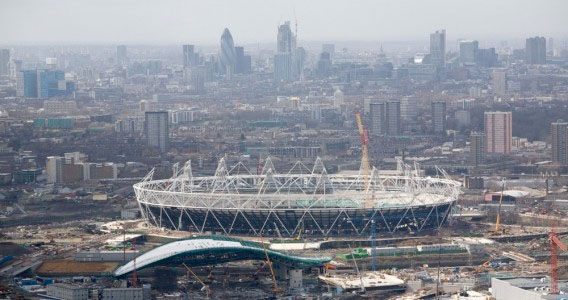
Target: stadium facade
[(302, 200)]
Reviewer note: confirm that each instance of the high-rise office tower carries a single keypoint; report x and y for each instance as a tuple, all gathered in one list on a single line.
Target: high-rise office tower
[(243, 62), (468, 52), (559, 133), (285, 38), (227, 57), (239, 59), (198, 75), (51, 83), (27, 84), (324, 64), (282, 67), (438, 47), (499, 82), (285, 47), (157, 131), (535, 50), (409, 108), (486, 58), (15, 68), (439, 116), (121, 55), (498, 132), (300, 58), (550, 46), (392, 113), (188, 55), (378, 124), (476, 148), (329, 48), (4, 62)]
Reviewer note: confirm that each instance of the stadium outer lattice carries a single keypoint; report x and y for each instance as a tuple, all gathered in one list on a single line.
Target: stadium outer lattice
[(310, 201)]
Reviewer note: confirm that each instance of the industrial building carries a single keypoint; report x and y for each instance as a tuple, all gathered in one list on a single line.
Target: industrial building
[(529, 288)]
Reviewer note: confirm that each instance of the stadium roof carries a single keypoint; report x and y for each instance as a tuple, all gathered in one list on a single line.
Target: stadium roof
[(211, 250)]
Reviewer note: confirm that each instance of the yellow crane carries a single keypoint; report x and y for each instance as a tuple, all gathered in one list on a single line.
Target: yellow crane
[(365, 169), (498, 219), (275, 289)]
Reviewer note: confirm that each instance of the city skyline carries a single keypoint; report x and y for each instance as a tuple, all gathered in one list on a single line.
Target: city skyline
[(72, 21)]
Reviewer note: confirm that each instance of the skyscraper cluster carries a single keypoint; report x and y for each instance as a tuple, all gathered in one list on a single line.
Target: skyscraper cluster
[(43, 84), (471, 54), (232, 59)]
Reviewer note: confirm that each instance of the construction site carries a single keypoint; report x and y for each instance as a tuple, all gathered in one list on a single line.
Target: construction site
[(302, 234)]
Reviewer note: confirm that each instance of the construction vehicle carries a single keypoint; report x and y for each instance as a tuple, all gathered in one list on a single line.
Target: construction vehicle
[(328, 267), (365, 168), (205, 288), (485, 266)]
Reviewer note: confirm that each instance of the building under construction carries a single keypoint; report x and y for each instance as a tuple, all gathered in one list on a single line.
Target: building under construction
[(303, 200)]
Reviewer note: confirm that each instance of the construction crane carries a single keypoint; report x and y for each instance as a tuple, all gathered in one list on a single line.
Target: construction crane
[(204, 286), (498, 219), (555, 243), (365, 169), (275, 289), (362, 290)]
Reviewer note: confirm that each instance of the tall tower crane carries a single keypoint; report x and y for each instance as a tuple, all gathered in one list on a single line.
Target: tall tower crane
[(365, 169), (498, 219), (555, 243)]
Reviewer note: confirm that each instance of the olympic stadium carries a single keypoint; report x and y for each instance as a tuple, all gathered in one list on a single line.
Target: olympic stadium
[(303, 200)]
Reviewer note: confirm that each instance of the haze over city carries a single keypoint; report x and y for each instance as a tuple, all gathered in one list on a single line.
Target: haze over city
[(283, 149), (254, 21)]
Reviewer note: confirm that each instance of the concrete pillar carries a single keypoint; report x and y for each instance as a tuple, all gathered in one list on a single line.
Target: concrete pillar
[(296, 280)]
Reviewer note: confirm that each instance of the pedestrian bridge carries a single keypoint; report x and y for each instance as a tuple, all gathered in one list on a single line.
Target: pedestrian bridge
[(212, 250)]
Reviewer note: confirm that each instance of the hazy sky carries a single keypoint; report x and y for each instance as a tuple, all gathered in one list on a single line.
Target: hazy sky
[(251, 21)]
